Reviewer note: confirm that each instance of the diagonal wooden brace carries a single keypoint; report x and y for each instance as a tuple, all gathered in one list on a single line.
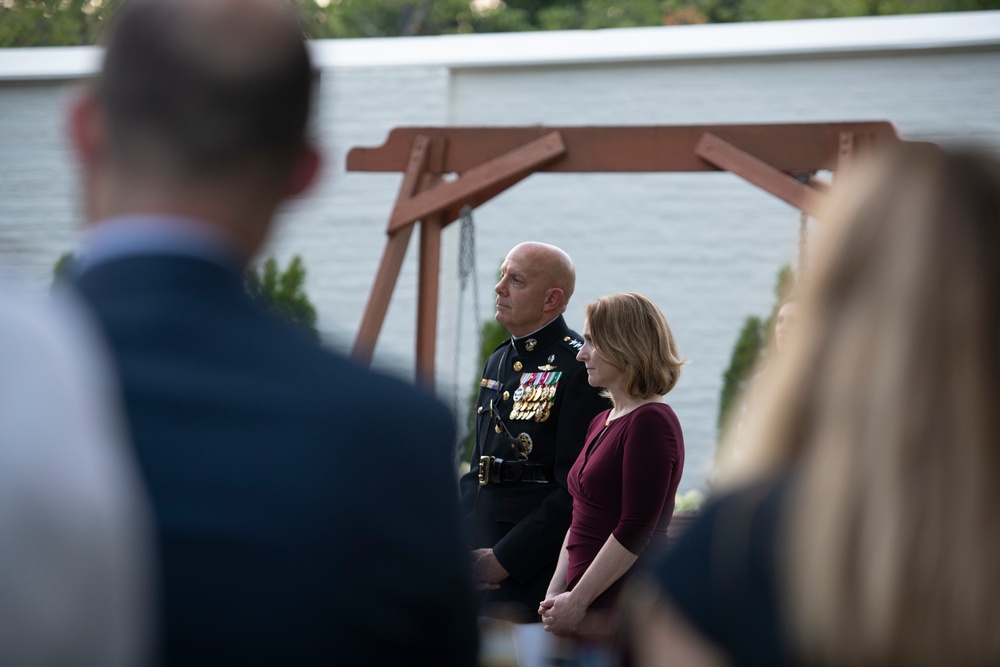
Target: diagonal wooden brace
[(727, 157), (511, 166), (392, 258)]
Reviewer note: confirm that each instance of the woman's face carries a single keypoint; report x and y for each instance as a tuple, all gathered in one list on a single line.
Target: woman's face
[(784, 319), (600, 373)]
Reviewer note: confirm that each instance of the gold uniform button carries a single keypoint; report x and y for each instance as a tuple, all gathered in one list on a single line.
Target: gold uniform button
[(506, 396), (497, 428), (480, 410), (518, 366)]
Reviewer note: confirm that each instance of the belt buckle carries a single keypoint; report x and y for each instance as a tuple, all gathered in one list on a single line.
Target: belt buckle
[(484, 469)]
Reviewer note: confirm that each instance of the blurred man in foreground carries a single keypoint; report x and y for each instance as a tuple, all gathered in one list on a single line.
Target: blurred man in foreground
[(306, 508)]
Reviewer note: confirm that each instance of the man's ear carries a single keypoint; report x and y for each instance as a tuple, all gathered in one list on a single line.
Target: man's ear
[(87, 131), (553, 299), (304, 171)]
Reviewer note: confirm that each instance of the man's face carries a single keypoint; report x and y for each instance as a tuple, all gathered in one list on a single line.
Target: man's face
[(521, 294)]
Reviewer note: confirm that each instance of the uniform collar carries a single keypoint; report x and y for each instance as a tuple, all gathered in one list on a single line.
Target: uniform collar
[(542, 338)]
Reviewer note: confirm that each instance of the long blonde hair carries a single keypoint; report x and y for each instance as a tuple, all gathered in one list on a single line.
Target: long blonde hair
[(886, 401)]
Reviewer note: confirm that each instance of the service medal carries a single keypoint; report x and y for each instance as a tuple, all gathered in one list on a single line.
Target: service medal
[(525, 444)]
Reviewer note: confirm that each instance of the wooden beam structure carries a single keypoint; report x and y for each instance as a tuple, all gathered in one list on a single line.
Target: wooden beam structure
[(508, 168), (788, 147), (724, 155), (780, 158)]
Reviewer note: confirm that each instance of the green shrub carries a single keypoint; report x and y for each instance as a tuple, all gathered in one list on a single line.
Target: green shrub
[(63, 265), (492, 333), (741, 365), (751, 346), (278, 291), (281, 292)]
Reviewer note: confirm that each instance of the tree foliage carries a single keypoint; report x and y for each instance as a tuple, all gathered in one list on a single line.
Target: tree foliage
[(406, 18), (282, 293), (71, 22), (53, 22)]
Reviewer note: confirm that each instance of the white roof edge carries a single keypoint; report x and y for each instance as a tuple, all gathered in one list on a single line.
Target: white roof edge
[(721, 40), (47, 63), (915, 32)]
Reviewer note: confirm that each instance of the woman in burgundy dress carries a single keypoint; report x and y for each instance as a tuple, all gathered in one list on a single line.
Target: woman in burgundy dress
[(624, 481)]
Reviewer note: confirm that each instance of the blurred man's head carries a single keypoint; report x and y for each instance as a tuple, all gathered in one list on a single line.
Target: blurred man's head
[(197, 98), (201, 86)]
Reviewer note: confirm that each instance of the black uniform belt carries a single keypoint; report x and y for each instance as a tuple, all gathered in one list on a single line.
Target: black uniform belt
[(497, 471)]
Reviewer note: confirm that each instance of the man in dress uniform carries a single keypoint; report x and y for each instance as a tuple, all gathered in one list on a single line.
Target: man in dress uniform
[(533, 410)]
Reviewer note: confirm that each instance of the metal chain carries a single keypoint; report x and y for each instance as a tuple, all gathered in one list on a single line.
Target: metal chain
[(466, 270), (800, 275), (803, 247)]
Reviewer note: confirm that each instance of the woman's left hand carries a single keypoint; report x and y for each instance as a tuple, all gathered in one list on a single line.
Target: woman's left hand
[(562, 614)]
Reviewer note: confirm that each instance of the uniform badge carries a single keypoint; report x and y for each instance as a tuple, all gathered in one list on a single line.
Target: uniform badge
[(524, 445), (530, 344), (547, 367)]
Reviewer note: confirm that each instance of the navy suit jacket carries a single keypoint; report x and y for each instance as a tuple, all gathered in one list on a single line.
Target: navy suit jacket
[(306, 508)]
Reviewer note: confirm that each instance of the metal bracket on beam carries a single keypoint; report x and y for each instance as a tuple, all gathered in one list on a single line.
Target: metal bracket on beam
[(845, 150), (727, 157)]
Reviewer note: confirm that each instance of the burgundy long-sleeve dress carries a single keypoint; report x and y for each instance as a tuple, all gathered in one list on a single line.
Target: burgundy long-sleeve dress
[(623, 484)]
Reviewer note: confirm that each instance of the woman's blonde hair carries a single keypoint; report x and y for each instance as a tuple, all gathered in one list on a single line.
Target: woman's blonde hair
[(886, 402), (630, 332)]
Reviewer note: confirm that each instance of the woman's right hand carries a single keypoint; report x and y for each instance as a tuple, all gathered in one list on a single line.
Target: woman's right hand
[(546, 604)]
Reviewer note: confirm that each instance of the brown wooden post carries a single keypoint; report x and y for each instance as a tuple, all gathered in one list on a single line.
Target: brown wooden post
[(427, 297), (392, 258)]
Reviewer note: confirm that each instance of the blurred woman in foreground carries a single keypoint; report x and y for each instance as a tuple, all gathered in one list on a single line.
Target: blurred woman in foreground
[(865, 529)]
